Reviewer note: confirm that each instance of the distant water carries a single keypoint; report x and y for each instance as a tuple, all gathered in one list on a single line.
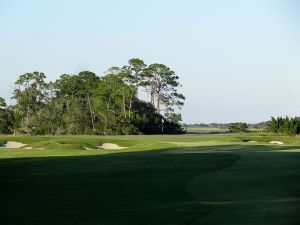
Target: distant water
[(207, 131)]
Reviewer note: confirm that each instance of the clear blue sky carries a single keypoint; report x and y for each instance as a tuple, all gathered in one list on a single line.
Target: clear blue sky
[(237, 60)]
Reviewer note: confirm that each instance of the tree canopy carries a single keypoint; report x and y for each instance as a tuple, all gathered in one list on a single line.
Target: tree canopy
[(280, 125), (238, 127), (86, 103)]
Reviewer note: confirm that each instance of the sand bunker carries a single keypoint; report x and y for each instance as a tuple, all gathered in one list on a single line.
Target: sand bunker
[(276, 142), (106, 146), (110, 146), (12, 144), (252, 141)]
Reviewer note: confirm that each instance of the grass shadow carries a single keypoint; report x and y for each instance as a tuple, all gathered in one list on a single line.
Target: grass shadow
[(143, 187)]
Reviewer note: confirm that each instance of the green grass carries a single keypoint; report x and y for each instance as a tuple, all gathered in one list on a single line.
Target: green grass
[(158, 180)]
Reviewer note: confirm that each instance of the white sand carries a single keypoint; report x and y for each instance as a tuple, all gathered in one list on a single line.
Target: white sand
[(252, 141), (110, 146), (106, 146), (276, 142), (12, 144)]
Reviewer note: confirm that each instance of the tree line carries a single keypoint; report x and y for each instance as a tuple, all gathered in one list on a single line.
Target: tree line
[(284, 125), (86, 103), (260, 125)]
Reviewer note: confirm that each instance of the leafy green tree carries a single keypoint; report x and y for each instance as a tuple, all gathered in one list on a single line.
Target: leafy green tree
[(2, 103), (173, 117), (146, 119), (293, 127), (162, 85), (238, 127), (75, 93), (128, 88), (6, 118), (89, 82), (113, 103), (50, 119), (85, 103), (30, 95), (135, 73), (274, 125), (288, 126)]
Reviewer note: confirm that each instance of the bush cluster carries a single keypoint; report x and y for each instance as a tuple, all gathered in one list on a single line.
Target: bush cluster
[(280, 125)]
